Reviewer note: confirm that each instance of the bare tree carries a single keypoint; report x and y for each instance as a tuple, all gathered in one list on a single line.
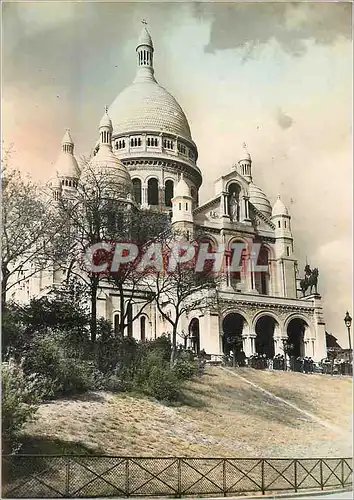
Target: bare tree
[(103, 211), (30, 229), (180, 289)]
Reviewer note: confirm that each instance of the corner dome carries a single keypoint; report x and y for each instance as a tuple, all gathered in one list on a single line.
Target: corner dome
[(259, 199), (279, 208), (146, 106), (182, 189), (108, 167), (67, 166)]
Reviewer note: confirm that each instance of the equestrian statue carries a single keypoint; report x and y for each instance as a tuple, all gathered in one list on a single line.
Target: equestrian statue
[(310, 280)]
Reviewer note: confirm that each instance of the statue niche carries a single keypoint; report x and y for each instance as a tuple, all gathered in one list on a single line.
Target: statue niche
[(234, 202)]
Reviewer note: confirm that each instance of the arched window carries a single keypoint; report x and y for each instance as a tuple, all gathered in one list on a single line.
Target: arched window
[(186, 206), (168, 193), (240, 267), (142, 328), (116, 324), (153, 192), (180, 206), (148, 141), (137, 190), (262, 277), (132, 142), (130, 319), (278, 223)]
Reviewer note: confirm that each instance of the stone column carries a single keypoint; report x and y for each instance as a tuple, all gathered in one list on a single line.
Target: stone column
[(252, 337), (224, 212), (279, 343), (247, 344), (144, 194), (161, 195), (247, 209)]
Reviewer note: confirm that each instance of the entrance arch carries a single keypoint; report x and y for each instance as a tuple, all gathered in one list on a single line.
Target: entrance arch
[(194, 335), (232, 327), (265, 328), (296, 333)]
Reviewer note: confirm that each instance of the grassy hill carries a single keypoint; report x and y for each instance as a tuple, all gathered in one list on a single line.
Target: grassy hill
[(222, 416)]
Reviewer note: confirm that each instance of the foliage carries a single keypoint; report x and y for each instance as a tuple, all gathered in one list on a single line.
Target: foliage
[(184, 368), (21, 395), (64, 373), (61, 310)]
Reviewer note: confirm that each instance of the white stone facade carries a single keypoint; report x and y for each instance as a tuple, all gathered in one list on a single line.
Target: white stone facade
[(151, 138)]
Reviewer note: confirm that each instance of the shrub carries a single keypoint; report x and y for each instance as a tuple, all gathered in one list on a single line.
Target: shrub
[(21, 396), (162, 384), (184, 368), (64, 374)]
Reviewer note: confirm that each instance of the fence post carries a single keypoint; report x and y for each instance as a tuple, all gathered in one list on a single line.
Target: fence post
[(179, 478), (295, 475), (224, 476), (67, 477), (342, 472), (321, 473), (127, 477), (262, 468)]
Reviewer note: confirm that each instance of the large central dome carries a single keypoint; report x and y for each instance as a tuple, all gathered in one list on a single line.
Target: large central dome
[(146, 106)]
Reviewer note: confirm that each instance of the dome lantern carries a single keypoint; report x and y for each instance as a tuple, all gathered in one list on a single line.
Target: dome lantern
[(106, 130), (245, 163), (145, 56)]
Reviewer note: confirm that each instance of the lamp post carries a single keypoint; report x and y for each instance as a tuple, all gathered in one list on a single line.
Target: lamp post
[(348, 323)]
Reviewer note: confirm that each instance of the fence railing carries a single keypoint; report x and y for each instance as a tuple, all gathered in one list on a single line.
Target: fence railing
[(77, 476)]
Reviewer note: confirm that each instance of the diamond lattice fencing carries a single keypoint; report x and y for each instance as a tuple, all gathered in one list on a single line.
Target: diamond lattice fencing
[(77, 476)]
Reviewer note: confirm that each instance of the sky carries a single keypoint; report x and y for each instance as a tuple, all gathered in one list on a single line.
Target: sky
[(277, 76)]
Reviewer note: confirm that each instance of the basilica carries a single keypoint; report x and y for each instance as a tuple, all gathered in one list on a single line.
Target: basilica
[(145, 141)]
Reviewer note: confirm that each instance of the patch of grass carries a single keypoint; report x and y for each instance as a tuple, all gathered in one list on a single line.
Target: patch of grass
[(220, 415)]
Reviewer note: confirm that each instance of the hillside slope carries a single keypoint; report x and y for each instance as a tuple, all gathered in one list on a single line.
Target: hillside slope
[(225, 416)]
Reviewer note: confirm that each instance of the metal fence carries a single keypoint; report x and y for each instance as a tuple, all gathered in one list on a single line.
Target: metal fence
[(73, 476)]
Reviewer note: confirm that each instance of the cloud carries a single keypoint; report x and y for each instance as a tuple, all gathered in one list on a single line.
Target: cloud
[(284, 121), (248, 26)]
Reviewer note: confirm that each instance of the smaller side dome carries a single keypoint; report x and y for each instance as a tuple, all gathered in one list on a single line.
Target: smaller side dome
[(182, 189), (259, 199), (66, 165), (279, 208)]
